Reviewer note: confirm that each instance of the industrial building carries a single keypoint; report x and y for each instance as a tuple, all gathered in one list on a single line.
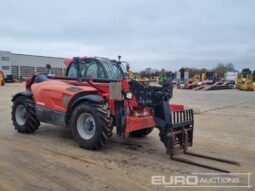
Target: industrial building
[(23, 65)]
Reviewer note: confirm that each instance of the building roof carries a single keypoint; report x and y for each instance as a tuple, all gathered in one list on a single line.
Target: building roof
[(30, 55)]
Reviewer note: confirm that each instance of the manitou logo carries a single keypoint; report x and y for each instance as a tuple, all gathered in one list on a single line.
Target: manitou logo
[(174, 180)]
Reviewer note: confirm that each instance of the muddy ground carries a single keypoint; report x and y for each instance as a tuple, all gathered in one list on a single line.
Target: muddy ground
[(51, 160)]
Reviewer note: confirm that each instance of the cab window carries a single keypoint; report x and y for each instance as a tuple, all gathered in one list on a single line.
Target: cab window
[(72, 72), (94, 70), (112, 70), (89, 69)]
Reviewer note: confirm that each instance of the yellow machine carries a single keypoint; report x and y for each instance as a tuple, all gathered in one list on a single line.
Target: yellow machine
[(139, 78), (245, 83), (142, 80), (196, 78), (245, 80), (203, 76), (209, 75), (131, 75), (2, 81)]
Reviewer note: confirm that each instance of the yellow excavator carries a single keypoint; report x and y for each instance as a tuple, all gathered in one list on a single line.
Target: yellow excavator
[(246, 80), (138, 77), (2, 81)]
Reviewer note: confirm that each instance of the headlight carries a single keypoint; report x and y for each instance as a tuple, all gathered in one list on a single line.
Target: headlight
[(129, 95)]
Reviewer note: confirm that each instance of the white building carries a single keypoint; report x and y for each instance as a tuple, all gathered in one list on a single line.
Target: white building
[(22, 65)]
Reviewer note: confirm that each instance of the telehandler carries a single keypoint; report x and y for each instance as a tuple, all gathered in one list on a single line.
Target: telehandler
[(95, 96)]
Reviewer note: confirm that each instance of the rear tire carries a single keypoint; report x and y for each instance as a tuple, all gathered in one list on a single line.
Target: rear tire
[(142, 132), (24, 116), (91, 125)]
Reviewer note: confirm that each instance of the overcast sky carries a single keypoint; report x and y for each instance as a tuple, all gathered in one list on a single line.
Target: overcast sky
[(157, 34)]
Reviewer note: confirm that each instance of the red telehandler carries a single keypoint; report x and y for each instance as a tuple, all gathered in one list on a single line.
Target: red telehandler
[(94, 96)]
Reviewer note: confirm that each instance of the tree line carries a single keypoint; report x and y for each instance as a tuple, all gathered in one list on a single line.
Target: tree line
[(220, 69)]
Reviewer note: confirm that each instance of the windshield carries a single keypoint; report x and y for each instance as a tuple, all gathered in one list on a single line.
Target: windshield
[(102, 68), (113, 70)]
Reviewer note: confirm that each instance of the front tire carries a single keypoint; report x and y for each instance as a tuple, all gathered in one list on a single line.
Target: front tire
[(24, 116), (91, 125)]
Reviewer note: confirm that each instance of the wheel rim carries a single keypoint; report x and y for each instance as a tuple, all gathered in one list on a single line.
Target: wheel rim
[(86, 126), (21, 114)]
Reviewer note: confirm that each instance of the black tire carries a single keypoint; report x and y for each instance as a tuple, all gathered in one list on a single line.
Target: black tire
[(31, 123), (141, 133), (111, 126), (100, 115), (163, 137)]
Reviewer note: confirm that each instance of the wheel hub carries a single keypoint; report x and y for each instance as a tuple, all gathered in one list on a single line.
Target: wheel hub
[(21, 114), (86, 126)]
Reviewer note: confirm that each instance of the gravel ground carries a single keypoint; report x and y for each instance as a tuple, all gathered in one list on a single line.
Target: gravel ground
[(51, 160)]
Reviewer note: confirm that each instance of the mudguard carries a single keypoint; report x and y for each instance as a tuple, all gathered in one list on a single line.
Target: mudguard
[(91, 98), (25, 94)]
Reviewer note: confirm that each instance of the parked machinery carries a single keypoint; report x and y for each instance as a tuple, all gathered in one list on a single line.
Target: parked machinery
[(245, 80), (164, 77), (131, 75), (208, 77), (143, 80), (2, 78)]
